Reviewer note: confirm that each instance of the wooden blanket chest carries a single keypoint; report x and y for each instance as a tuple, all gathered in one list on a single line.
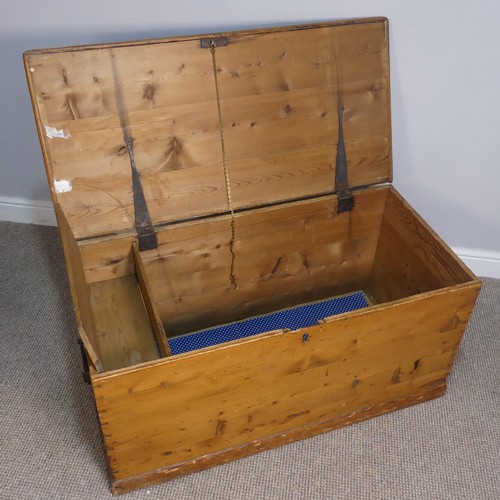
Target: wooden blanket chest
[(203, 180)]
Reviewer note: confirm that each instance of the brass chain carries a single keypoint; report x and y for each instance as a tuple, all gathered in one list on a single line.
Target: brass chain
[(232, 276)]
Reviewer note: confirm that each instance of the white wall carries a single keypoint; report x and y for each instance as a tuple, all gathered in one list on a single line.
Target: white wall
[(445, 72)]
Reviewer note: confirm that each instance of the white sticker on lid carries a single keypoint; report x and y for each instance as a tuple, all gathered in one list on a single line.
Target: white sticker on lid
[(52, 132), (62, 186)]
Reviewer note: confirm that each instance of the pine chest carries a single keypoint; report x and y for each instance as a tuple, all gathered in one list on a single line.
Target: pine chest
[(243, 272)]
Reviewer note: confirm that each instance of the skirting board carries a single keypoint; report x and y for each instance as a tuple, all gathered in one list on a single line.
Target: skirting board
[(481, 262), (27, 211)]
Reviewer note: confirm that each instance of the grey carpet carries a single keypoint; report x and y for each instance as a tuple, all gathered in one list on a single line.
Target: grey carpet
[(50, 446)]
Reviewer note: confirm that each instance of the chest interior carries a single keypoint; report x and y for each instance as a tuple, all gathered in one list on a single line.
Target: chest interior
[(133, 304)]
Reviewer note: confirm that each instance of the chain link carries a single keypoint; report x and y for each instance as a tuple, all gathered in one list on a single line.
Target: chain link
[(232, 276)]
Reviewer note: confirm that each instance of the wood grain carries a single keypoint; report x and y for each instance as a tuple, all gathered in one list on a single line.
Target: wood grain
[(80, 291), (124, 335), (279, 92), (220, 457), (107, 258), (223, 397), (410, 257), (149, 303), (285, 256)]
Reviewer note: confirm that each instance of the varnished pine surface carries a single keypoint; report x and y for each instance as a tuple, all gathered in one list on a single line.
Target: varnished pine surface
[(226, 455), (410, 257), (284, 256), (80, 291), (279, 100), (190, 405), (124, 333), (150, 303)]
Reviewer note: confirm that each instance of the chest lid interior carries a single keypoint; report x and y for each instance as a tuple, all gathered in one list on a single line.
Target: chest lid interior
[(155, 101)]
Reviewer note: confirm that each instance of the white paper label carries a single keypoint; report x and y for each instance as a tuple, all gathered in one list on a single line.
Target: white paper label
[(62, 186), (52, 132)]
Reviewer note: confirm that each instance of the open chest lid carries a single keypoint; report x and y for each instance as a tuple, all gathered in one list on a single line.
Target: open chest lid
[(134, 126)]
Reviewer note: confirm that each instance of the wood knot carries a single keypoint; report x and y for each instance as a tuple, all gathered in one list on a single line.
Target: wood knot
[(284, 86), (122, 150), (396, 376), (453, 323), (149, 92), (374, 89), (221, 425), (175, 146), (348, 115), (275, 268), (287, 109), (306, 262)]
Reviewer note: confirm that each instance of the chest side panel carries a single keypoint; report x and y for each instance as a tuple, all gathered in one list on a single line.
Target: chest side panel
[(247, 392)]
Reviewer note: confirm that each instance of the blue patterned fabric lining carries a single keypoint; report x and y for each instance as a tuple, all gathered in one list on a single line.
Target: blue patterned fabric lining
[(293, 318)]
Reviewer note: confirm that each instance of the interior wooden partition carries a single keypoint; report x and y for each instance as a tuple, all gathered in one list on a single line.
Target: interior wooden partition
[(130, 302)]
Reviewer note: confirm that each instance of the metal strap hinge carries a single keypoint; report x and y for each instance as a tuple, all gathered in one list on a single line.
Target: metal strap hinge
[(143, 226), (145, 230), (344, 194)]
